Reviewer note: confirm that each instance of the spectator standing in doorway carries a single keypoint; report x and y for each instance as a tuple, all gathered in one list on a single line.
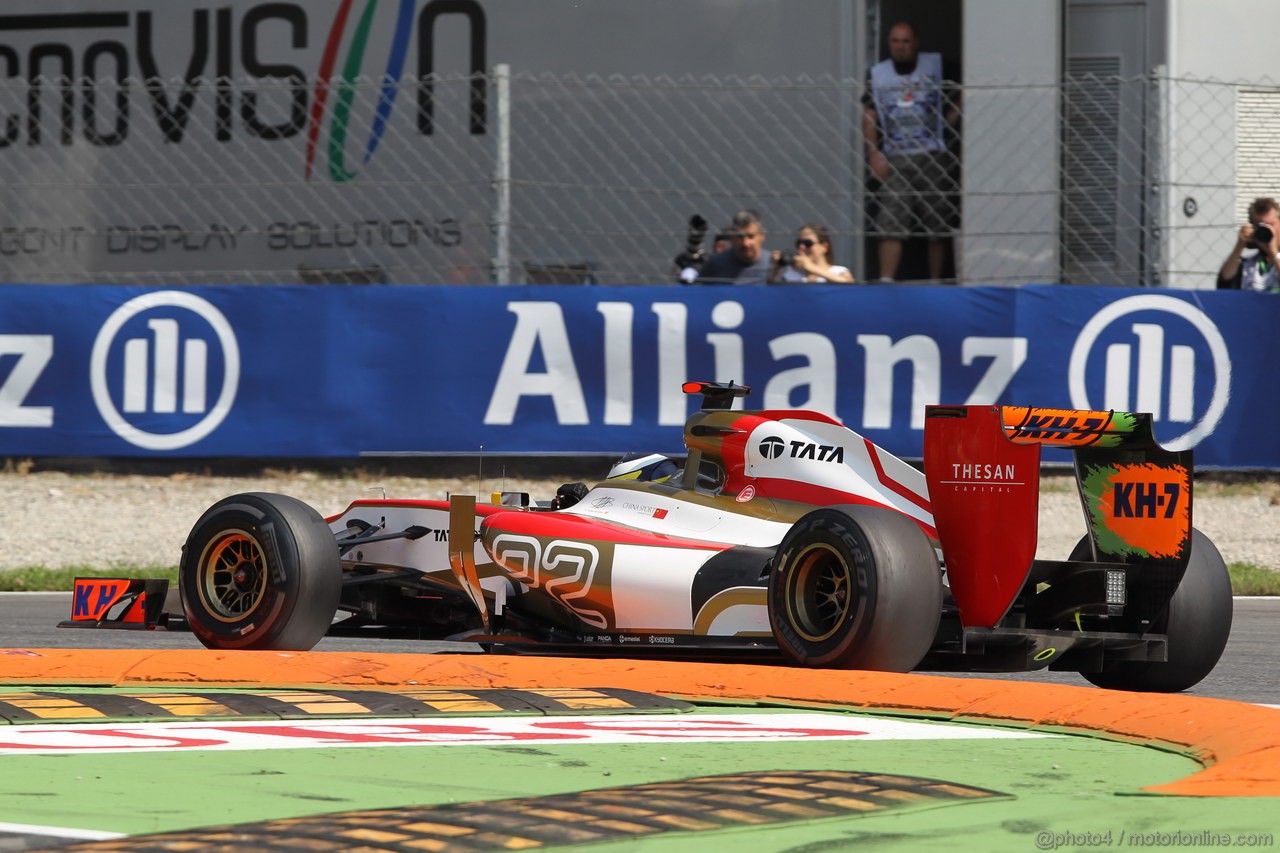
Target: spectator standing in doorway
[(745, 261), (1261, 269), (906, 115)]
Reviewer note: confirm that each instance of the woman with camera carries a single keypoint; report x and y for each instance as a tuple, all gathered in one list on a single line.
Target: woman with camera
[(1261, 233), (812, 262)]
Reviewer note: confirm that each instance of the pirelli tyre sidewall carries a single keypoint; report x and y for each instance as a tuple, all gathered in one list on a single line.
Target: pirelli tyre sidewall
[(260, 571), (1197, 625), (855, 587)]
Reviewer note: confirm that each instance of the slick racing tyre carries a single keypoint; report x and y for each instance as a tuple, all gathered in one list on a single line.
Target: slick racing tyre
[(260, 571), (855, 587), (1196, 625)]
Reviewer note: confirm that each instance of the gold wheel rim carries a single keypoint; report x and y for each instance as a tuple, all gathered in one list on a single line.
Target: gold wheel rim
[(232, 577), (819, 593)]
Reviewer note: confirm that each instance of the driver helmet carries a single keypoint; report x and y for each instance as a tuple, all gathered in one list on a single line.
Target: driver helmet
[(649, 467)]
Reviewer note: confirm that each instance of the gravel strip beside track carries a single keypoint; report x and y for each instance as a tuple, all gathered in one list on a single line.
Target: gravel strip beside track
[(58, 519)]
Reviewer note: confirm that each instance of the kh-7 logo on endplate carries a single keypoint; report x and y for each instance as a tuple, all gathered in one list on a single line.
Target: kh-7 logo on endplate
[(1144, 500), (1138, 509)]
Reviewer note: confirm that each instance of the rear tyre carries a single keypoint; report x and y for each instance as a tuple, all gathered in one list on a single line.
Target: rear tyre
[(855, 587), (1197, 625), (260, 571)]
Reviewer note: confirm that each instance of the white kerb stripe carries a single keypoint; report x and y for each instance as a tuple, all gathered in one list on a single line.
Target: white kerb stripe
[(59, 831)]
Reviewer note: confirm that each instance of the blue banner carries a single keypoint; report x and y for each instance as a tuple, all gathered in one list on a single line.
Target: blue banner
[(340, 371)]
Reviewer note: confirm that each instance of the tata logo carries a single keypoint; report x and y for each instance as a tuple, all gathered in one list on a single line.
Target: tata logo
[(164, 370), (1158, 354), (772, 447)]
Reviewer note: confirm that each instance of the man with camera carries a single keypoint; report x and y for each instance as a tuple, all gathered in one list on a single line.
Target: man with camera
[(1261, 233), (745, 261)]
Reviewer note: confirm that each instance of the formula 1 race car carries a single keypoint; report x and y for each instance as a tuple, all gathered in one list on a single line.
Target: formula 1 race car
[(784, 535)]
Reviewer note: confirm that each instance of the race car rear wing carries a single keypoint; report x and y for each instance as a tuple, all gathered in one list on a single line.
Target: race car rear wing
[(982, 464)]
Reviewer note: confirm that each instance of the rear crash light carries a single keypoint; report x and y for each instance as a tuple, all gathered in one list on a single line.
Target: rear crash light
[(1115, 587)]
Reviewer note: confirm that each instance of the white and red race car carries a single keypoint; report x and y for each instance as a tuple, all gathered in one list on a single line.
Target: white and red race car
[(785, 535)]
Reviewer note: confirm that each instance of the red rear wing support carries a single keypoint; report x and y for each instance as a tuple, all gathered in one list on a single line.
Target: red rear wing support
[(982, 464)]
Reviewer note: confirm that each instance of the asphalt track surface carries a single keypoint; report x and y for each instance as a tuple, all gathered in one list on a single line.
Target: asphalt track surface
[(1248, 672), (930, 767)]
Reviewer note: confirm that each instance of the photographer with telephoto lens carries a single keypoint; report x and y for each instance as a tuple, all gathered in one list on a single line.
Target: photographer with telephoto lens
[(1257, 271), (690, 261)]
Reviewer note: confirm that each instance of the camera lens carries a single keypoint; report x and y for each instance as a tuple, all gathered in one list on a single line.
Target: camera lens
[(1262, 235), (696, 234)]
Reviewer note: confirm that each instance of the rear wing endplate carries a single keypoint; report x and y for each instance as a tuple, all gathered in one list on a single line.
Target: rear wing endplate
[(982, 464)]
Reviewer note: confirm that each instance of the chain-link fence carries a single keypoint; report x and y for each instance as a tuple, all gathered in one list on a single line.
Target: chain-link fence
[(521, 178)]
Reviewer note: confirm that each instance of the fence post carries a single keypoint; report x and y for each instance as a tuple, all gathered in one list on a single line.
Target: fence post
[(502, 176), (854, 20)]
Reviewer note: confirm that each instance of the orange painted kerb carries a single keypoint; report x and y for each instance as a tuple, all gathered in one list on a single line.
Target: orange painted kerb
[(1238, 744)]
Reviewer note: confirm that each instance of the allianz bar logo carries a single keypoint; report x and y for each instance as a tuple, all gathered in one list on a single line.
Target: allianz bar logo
[(97, 85), (1154, 353), (171, 383)]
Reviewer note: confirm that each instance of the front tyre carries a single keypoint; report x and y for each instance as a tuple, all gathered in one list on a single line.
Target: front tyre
[(1196, 626), (855, 587), (260, 571)]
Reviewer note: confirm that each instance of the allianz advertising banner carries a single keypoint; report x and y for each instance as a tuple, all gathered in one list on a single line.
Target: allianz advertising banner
[(339, 371)]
